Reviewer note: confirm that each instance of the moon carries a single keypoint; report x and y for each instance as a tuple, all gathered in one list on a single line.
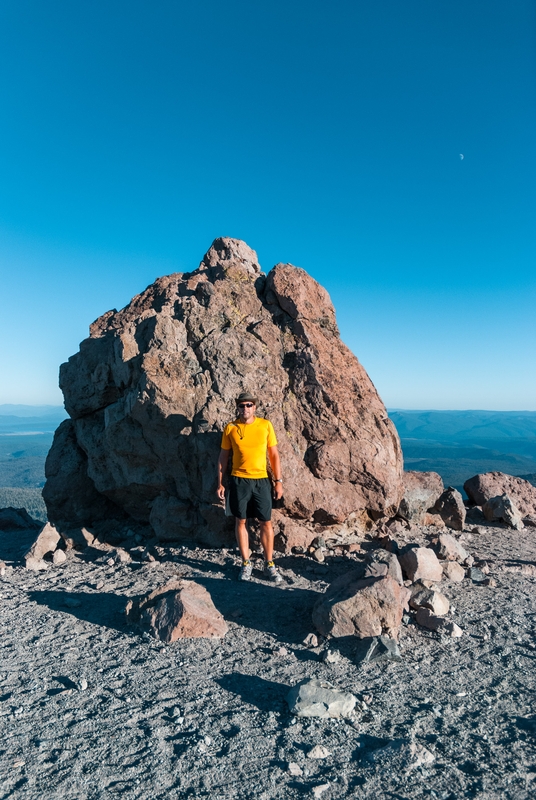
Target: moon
[(462, 156)]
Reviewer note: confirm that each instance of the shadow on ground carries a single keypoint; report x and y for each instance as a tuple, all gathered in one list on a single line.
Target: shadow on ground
[(99, 609), (264, 695)]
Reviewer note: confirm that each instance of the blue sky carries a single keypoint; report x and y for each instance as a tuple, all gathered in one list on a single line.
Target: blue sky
[(326, 135)]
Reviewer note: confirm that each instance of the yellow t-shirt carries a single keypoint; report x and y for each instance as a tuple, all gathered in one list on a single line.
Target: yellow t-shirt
[(249, 444)]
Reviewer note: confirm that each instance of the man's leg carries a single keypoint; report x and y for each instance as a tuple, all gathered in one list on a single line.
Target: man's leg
[(242, 538), (267, 540)]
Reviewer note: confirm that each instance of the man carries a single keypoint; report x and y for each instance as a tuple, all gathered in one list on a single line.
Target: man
[(251, 439)]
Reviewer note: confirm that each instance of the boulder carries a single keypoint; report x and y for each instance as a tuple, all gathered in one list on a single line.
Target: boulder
[(362, 607), (452, 509), (45, 545), (421, 491), (153, 386), (180, 609), (378, 648), (316, 698), (421, 563), (481, 488), (502, 509), (448, 548), (16, 519)]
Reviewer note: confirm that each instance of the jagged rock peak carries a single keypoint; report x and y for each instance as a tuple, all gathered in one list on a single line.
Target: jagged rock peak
[(151, 389)]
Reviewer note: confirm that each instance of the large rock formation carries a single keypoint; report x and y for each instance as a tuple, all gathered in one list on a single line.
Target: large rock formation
[(152, 387), (481, 488)]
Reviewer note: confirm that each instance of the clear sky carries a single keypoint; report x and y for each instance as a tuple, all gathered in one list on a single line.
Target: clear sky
[(328, 135)]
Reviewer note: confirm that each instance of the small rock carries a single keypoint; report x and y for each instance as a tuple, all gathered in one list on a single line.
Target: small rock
[(316, 698), (449, 549), (319, 752), (110, 562), (502, 508), (45, 544), (59, 557), (82, 684), (18, 763), (401, 755), (426, 619), (490, 582), (376, 648), (435, 601), (453, 572), (331, 657), (319, 790), (476, 575), (421, 563), (452, 509), (281, 651), (99, 584), (318, 555), (311, 640), (294, 769), (2, 569)]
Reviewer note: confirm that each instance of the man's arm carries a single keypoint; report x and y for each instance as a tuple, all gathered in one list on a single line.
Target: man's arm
[(275, 463), (223, 460)]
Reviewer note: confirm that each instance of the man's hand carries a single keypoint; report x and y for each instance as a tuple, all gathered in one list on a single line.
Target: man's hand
[(220, 491), (278, 490)]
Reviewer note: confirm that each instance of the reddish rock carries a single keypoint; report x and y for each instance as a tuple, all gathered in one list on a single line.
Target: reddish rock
[(153, 386), (289, 533), (436, 602), (362, 607), (451, 508), (502, 509), (180, 609), (421, 563), (421, 491), (483, 487), (433, 519), (454, 572), (448, 548), (45, 545)]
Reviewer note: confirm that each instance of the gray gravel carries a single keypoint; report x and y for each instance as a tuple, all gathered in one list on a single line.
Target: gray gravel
[(92, 709)]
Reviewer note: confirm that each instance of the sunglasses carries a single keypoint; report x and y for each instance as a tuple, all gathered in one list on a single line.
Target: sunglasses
[(246, 405)]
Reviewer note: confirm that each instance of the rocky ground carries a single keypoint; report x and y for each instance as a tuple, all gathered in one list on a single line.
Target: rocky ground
[(91, 708)]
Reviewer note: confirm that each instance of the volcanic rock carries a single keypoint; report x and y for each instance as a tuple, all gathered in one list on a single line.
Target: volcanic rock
[(421, 563), (502, 508), (449, 549), (381, 562), (483, 487), (362, 607), (14, 519), (153, 386), (421, 491), (316, 698), (452, 571), (427, 619), (436, 602), (451, 508), (45, 545), (178, 610)]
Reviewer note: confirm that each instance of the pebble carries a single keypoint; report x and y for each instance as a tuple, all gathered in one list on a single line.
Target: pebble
[(319, 790), (476, 575), (311, 640), (331, 657), (294, 769), (82, 684), (99, 585), (59, 557), (318, 752), (19, 762), (318, 555)]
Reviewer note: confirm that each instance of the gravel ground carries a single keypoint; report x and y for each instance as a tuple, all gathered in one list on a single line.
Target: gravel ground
[(90, 708)]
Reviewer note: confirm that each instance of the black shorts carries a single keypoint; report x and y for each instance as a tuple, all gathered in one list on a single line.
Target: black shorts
[(250, 498)]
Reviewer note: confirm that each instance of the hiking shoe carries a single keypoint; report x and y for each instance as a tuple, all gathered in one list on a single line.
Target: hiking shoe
[(270, 570), (245, 572)]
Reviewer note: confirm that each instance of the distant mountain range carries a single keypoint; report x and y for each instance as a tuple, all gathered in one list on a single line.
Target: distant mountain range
[(460, 444)]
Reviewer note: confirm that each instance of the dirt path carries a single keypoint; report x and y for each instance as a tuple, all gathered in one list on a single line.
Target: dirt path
[(203, 718)]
